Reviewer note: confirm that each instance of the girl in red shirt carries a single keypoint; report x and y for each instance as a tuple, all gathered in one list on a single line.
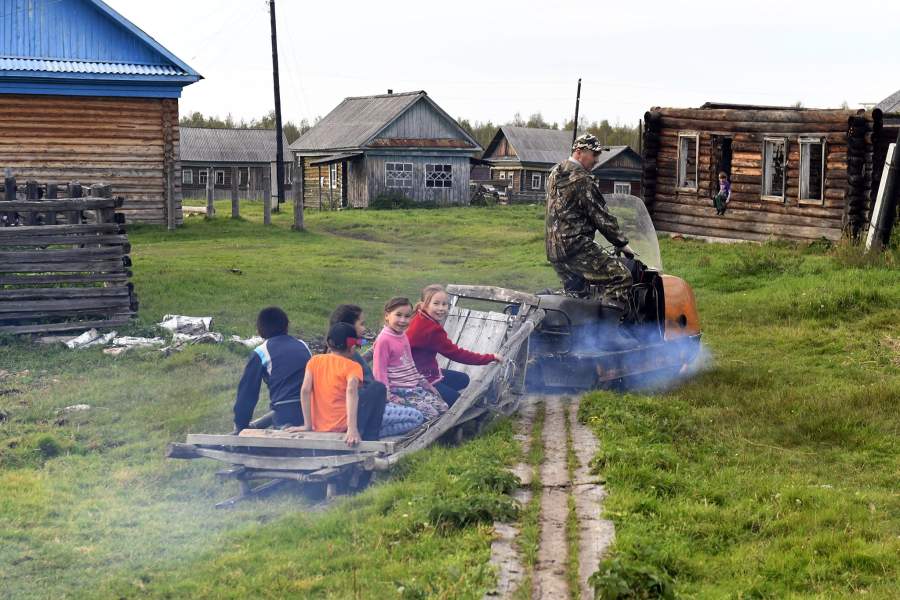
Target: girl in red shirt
[(427, 339)]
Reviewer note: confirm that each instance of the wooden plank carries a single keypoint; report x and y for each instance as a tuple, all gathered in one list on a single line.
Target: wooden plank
[(107, 266), (62, 204), (274, 463), (268, 438), (51, 279), (58, 292), (62, 255), (833, 219), (708, 230), (115, 321), (455, 322), (79, 240), (498, 294)]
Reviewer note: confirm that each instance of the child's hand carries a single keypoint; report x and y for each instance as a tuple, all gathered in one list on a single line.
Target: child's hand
[(352, 438), (297, 428), (499, 358)]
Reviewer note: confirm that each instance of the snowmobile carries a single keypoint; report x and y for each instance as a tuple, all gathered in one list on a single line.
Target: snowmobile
[(581, 345)]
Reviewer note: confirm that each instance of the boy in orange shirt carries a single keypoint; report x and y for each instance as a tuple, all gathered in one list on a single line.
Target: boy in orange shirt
[(329, 395)]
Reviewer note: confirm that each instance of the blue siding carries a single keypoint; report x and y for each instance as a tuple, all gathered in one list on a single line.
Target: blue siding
[(69, 29)]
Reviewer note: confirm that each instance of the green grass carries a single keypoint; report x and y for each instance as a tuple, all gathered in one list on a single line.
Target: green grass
[(529, 523), (774, 474)]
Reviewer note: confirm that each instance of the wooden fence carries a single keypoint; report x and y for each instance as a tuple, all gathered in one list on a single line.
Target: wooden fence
[(64, 263)]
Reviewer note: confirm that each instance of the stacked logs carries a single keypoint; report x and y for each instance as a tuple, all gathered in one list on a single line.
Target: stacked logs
[(856, 201), (649, 151)]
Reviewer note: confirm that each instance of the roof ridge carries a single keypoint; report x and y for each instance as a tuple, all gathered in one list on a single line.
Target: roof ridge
[(392, 95)]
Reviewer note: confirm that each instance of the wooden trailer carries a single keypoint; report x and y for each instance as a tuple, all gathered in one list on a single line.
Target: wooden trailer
[(274, 457), (796, 173)]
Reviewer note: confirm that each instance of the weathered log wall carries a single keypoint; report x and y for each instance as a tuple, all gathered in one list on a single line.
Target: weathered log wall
[(847, 176), (130, 143)]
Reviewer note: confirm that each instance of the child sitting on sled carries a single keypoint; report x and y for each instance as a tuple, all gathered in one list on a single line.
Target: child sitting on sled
[(427, 339), (394, 365)]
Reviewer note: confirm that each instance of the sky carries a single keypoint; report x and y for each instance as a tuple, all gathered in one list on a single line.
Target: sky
[(487, 60)]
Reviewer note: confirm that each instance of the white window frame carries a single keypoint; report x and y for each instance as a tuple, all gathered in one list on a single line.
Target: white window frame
[(202, 177), (187, 176), (321, 181), (332, 175), (680, 166), (220, 172), (393, 181), (243, 176), (443, 181), (783, 197), (626, 185), (809, 141), (540, 181), (502, 175)]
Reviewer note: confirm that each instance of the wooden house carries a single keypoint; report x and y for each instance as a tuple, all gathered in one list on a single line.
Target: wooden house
[(524, 156), (371, 146), (224, 153), (796, 173), (86, 95)]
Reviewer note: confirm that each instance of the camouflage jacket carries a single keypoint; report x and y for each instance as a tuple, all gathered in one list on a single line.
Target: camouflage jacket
[(575, 210)]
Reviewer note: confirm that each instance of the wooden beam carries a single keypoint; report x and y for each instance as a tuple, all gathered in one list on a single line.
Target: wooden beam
[(266, 438), (210, 188), (297, 191), (235, 203), (274, 463), (486, 292)]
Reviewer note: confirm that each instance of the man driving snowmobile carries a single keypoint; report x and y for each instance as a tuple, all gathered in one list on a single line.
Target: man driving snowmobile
[(575, 211)]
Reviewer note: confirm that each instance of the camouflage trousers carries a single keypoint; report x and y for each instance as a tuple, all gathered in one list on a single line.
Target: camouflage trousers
[(611, 278)]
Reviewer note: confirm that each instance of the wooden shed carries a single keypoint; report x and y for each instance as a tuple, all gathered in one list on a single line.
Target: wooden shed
[(86, 95), (221, 153), (524, 156), (369, 146), (796, 173)]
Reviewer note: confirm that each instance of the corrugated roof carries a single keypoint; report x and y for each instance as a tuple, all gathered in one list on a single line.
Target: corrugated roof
[(533, 145), (355, 120), (97, 68), (891, 104), (207, 145)]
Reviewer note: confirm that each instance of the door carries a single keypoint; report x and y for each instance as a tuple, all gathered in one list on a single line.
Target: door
[(721, 160)]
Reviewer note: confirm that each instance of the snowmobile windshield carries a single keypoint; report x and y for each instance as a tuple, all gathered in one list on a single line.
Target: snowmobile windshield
[(635, 222)]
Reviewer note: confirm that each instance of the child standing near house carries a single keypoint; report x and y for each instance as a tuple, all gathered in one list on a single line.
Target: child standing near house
[(427, 339), (721, 199), (394, 365), (330, 393), (397, 419)]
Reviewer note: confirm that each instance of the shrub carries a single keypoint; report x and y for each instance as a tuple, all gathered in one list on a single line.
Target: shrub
[(462, 511), (398, 201), (617, 580)]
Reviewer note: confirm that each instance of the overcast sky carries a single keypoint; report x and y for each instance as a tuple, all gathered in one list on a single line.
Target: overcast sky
[(490, 59)]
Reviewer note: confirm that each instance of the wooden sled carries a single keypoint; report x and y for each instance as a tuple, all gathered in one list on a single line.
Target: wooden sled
[(274, 456)]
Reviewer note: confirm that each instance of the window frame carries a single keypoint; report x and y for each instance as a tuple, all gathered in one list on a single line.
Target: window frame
[(810, 140), (243, 176), (288, 173), (678, 174), (201, 175), (390, 185), (625, 183), (762, 191), (443, 180), (540, 181), (187, 176)]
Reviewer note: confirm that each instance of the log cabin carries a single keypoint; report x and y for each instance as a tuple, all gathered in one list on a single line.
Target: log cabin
[(371, 146), (219, 152), (796, 173), (524, 156), (86, 95)]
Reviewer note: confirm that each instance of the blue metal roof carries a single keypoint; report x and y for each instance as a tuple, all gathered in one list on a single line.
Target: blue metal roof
[(83, 47)]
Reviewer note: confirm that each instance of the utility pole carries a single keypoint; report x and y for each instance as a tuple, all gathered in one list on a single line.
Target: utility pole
[(279, 146), (577, 102)]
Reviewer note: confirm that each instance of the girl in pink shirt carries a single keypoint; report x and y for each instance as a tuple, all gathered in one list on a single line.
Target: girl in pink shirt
[(394, 367)]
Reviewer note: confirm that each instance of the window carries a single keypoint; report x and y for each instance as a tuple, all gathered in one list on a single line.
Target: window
[(333, 174), (243, 175), (773, 168), (398, 175), (220, 177), (621, 187), (687, 161), (812, 169), (203, 176), (288, 173), (187, 176), (536, 181), (438, 176), (502, 175)]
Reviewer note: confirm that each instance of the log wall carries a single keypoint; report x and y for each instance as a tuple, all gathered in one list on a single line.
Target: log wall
[(130, 143), (847, 177)]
